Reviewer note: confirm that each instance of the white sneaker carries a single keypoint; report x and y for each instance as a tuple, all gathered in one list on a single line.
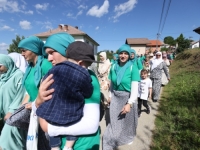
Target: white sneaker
[(67, 148), (55, 148), (130, 143)]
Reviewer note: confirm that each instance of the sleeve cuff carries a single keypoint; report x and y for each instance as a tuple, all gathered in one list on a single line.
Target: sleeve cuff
[(34, 108)]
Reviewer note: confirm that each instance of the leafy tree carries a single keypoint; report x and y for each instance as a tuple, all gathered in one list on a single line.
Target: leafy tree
[(14, 46), (169, 40), (164, 49), (182, 43), (108, 53)]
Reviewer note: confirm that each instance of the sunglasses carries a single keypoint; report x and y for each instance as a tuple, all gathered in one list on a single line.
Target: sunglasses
[(158, 55)]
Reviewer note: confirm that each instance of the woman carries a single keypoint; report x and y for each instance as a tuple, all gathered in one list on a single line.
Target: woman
[(164, 77), (56, 46), (11, 96), (137, 62), (103, 71), (31, 49), (124, 77), (19, 61), (157, 65), (115, 58)]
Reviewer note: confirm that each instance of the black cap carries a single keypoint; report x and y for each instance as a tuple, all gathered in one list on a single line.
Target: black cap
[(80, 51)]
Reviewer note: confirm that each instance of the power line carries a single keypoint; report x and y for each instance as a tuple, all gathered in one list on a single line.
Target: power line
[(166, 15), (161, 15), (160, 31)]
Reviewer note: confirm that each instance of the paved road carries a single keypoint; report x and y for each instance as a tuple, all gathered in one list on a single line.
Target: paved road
[(142, 140)]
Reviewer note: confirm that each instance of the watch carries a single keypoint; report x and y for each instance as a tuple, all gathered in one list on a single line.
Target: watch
[(131, 105)]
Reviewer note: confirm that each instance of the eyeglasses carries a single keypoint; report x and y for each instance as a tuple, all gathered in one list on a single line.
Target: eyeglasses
[(158, 55)]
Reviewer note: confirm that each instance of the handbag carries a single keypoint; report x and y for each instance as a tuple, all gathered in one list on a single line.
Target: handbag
[(20, 118), (32, 137)]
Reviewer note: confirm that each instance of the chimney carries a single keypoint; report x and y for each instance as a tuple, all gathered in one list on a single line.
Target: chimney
[(60, 27), (76, 27), (65, 27)]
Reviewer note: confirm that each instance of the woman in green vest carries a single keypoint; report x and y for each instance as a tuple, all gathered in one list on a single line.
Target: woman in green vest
[(11, 95), (90, 120), (124, 77), (137, 62), (31, 49)]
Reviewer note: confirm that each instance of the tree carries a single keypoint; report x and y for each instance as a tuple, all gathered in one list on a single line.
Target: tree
[(108, 53), (182, 43), (14, 46), (169, 40)]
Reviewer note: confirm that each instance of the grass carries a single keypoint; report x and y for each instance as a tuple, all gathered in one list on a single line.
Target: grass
[(178, 120)]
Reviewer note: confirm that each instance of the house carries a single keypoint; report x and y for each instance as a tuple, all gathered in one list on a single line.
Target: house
[(73, 31), (154, 45), (138, 44), (195, 44)]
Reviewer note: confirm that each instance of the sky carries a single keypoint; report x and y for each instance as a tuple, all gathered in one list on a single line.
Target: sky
[(108, 22)]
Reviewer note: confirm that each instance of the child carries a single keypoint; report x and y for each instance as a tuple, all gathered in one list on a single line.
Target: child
[(146, 66), (72, 83), (144, 91)]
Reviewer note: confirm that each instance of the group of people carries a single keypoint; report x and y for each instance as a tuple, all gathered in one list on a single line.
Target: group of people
[(153, 69), (56, 82), (60, 90)]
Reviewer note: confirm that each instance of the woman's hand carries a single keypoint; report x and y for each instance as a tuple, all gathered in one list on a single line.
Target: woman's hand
[(7, 116), (44, 94), (126, 109), (28, 106)]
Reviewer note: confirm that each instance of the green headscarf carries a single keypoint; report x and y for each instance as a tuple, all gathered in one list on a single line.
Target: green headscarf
[(35, 45), (135, 55), (59, 42), (7, 61), (121, 70)]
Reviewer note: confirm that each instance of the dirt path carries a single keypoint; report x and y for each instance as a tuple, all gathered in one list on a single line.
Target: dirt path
[(145, 127)]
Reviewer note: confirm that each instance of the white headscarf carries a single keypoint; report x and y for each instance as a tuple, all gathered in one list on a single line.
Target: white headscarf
[(105, 65), (19, 60), (155, 62)]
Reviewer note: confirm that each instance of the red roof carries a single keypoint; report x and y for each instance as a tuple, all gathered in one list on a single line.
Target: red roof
[(154, 43)]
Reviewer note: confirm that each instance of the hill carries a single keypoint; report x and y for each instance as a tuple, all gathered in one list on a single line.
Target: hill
[(178, 121)]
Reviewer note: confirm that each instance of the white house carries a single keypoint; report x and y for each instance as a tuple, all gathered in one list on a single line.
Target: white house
[(73, 31), (195, 44)]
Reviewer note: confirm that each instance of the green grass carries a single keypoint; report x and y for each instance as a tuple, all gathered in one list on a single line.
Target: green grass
[(178, 120)]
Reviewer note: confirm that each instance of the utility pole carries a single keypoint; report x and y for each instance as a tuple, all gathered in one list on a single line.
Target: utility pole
[(158, 34)]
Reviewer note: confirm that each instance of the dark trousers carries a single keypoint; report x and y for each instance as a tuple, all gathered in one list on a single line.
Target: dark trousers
[(55, 141), (144, 102)]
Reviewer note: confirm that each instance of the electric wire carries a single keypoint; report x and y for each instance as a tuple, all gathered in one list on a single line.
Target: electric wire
[(166, 16), (161, 15)]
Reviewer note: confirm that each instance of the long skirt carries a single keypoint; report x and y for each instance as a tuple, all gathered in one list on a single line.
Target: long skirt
[(13, 138), (156, 86), (122, 128)]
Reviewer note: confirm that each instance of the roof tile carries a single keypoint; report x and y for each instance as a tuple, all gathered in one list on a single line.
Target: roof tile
[(137, 41), (71, 30)]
